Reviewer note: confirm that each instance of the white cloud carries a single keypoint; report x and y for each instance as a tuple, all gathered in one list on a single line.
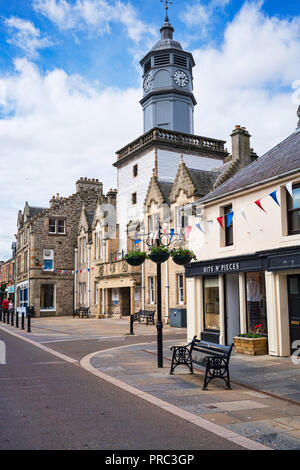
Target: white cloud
[(248, 81), (198, 14), (26, 36), (95, 15), (58, 128)]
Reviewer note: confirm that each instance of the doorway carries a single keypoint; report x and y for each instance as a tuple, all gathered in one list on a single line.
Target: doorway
[(232, 307), (294, 310)]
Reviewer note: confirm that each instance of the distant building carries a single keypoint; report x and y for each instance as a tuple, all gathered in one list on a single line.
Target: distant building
[(46, 240)]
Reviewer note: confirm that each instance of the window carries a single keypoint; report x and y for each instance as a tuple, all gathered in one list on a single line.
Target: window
[(211, 304), (180, 60), (293, 208), (153, 223), (83, 250), (256, 302), (82, 293), (57, 226), (181, 218), (228, 225), (25, 261), (180, 284), (151, 290), (147, 66), (48, 260), (133, 198), (135, 171), (163, 59), (47, 297), (96, 292)]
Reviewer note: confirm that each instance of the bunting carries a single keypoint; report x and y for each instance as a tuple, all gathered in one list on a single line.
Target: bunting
[(220, 220), (229, 219), (258, 203), (274, 197)]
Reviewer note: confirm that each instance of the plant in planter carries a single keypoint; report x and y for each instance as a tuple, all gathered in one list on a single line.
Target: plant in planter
[(135, 257), (252, 344), (182, 256), (159, 254)]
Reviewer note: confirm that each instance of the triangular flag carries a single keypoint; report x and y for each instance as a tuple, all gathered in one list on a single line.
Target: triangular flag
[(137, 241), (188, 230), (289, 188), (220, 220), (258, 203), (171, 233), (274, 197), (244, 214), (229, 218), (199, 227)]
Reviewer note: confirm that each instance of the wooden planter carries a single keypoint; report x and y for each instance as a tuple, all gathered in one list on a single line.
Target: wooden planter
[(251, 346)]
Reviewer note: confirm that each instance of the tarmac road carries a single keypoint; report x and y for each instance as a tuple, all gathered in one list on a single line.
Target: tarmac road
[(47, 403)]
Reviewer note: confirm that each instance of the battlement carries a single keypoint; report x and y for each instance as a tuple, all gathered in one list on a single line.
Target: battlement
[(86, 184)]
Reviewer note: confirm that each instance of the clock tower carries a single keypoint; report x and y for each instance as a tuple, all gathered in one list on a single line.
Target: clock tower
[(168, 100)]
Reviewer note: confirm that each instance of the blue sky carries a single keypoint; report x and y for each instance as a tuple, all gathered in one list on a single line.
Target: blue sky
[(70, 84)]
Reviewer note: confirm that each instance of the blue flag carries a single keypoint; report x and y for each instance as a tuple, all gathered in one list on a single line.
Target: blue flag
[(229, 218), (199, 227), (136, 242), (171, 233), (274, 197)]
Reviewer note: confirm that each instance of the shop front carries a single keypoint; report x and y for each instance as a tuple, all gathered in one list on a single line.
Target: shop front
[(232, 296)]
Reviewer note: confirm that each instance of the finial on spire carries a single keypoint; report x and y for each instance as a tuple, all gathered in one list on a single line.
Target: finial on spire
[(167, 2)]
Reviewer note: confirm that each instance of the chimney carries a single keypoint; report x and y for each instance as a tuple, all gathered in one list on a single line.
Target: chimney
[(240, 139)]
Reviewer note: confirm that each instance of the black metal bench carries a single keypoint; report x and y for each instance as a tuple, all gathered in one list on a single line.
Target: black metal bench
[(147, 315), (215, 361), (82, 312)]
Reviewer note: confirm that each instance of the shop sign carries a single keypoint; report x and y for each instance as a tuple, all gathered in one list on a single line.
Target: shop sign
[(284, 262), (221, 268)]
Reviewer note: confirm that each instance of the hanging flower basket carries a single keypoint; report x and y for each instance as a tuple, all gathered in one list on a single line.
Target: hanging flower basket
[(135, 258), (159, 254), (182, 257)]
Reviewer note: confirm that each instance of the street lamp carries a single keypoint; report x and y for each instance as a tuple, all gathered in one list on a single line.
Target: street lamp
[(162, 239)]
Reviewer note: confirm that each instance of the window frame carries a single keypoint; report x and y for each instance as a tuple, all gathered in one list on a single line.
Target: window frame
[(290, 211), (56, 223), (229, 239)]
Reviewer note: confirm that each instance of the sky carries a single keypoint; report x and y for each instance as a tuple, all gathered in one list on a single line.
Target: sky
[(71, 81)]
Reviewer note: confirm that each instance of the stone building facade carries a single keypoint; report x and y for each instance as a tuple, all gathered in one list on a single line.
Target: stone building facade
[(46, 239), (7, 278)]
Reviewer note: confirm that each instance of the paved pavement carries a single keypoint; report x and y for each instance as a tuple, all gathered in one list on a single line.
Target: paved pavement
[(264, 405)]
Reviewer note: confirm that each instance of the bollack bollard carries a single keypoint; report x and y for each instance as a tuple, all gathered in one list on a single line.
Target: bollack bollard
[(12, 318), (4, 317), (0, 314), (17, 320), (22, 322), (7, 317)]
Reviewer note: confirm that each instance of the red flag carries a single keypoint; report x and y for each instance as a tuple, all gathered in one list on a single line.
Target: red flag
[(258, 203), (220, 220), (188, 230)]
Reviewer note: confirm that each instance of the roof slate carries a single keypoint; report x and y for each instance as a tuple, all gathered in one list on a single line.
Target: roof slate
[(283, 158)]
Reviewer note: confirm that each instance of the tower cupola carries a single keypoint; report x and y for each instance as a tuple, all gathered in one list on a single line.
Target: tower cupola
[(168, 100)]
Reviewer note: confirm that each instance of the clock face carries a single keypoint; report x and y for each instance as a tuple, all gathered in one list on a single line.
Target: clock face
[(147, 83), (181, 79)]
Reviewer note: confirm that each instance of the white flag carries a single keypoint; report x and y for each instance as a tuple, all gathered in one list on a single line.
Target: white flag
[(289, 188), (244, 214)]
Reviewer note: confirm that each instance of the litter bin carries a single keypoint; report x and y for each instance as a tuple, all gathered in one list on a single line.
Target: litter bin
[(178, 317)]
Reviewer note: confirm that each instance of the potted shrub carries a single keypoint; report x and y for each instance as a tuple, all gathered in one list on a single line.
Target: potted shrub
[(159, 254), (182, 256), (135, 258), (252, 344)]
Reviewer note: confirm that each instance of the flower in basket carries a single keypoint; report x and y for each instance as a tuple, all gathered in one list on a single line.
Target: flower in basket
[(258, 328), (159, 254), (135, 257), (182, 256)]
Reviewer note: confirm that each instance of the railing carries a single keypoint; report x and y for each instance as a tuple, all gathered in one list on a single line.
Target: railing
[(173, 137)]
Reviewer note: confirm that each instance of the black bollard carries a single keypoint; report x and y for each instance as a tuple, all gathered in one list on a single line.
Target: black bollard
[(0, 314), (22, 322), (7, 317), (131, 325), (4, 317), (12, 318), (17, 320), (28, 322)]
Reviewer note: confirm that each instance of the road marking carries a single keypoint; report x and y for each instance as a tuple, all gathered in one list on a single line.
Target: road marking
[(41, 346)]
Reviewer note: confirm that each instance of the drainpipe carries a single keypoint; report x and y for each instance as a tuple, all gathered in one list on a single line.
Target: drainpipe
[(143, 279), (89, 274), (75, 277), (167, 292)]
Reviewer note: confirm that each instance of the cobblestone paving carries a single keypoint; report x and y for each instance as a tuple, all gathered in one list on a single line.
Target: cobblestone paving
[(273, 422)]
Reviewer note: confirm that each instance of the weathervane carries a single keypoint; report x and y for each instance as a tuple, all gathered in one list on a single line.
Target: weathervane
[(167, 2)]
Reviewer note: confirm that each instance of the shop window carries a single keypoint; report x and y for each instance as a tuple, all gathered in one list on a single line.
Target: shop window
[(293, 209), (47, 297), (180, 284), (211, 304), (228, 225), (256, 302)]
